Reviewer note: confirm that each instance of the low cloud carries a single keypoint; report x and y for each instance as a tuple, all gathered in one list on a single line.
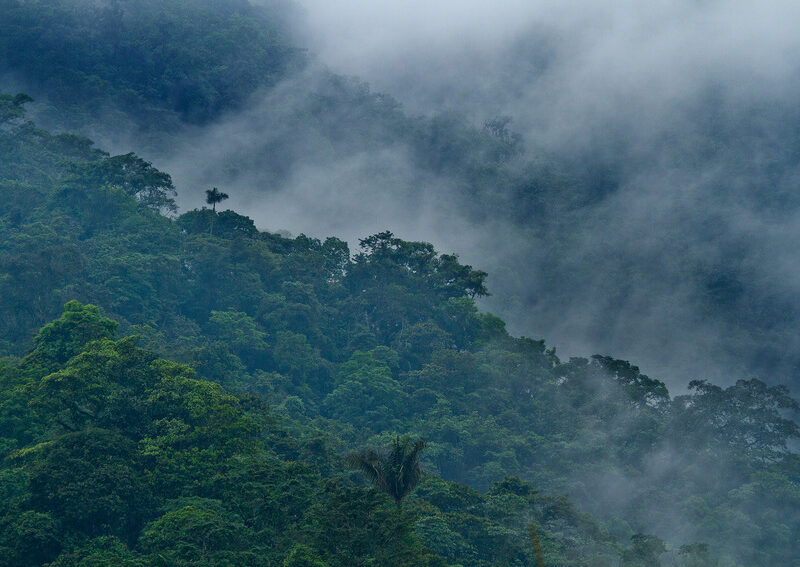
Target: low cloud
[(678, 117)]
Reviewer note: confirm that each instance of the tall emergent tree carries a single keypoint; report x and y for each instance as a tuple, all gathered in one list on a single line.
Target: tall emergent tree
[(214, 196), (395, 470)]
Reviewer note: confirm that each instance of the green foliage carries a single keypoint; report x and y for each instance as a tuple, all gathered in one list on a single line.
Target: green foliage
[(746, 417), (101, 552), (64, 338), (195, 535), (135, 177), (227, 224), (90, 481), (367, 395), (303, 556), (137, 463), (395, 470), (354, 527), (29, 539)]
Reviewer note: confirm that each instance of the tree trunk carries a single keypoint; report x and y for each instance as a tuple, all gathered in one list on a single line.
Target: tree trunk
[(213, 216)]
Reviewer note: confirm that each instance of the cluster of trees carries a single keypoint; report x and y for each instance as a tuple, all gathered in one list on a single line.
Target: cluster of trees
[(113, 456), (109, 449)]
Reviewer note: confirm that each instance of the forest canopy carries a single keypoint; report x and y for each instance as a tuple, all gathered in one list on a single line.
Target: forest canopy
[(215, 430)]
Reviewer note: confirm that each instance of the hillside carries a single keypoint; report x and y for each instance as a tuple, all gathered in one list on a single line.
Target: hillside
[(663, 242), (126, 459), (287, 353)]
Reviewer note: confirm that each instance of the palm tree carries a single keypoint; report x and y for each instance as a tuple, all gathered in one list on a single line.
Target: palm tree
[(395, 470), (214, 196)]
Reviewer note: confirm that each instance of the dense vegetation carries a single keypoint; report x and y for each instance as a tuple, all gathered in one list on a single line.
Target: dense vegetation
[(253, 368), (286, 354)]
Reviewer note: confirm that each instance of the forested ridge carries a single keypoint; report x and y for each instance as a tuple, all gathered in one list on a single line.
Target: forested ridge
[(186, 389), (218, 93)]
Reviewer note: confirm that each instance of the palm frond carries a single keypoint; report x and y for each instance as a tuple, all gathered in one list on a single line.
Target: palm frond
[(394, 470), (368, 463)]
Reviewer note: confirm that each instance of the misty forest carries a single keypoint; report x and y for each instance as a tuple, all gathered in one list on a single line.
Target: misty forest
[(270, 269)]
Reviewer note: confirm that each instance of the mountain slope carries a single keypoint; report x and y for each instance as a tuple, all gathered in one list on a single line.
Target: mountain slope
[(356, 350), (664, 242)]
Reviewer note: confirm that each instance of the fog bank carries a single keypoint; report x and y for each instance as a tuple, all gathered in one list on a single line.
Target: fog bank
[(674, 121)]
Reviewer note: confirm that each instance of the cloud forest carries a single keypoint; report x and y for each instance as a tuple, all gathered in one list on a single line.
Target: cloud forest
[(308, 284)]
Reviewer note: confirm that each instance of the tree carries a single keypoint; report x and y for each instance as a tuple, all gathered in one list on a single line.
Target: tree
[(136, 177), (199, 533), (91, 481), (65, 337), (29, 538), (367, 395), (643, 390), (395, 470), (352, 527), (303, 556), (749, 418), (214, 196)]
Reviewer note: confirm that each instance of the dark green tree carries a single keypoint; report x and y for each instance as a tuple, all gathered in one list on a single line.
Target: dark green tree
[(302, 556), (65, 337), (394, 470), (152, 188)]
